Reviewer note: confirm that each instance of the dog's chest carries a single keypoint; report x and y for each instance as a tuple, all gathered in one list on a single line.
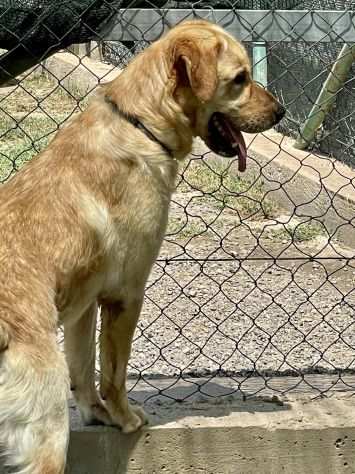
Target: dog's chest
[(133, 243), (130, 235)]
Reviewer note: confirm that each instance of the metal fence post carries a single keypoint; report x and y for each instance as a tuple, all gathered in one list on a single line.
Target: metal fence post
[(260, 63)]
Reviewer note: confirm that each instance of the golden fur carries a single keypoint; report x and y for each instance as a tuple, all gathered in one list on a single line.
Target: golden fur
[(82, 224)]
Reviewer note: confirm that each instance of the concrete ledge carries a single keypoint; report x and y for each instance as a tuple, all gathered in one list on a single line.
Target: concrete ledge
[(81, 73), (306, 184), (256, 436), (262, 435)]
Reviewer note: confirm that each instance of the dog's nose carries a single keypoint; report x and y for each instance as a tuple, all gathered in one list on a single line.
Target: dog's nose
[(280, 112)]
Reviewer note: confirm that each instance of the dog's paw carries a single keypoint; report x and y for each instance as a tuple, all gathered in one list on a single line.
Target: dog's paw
[(96, 414), (135, 419)]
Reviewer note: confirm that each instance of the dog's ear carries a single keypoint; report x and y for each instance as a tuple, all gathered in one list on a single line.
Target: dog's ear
[(196, 66)]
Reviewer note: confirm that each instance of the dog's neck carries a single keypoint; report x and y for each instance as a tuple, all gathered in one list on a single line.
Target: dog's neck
[(150, 99), (138, 124)]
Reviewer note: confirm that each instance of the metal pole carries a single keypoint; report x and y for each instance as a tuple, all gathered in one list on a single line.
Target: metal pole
[(333, 84), (260, 63)]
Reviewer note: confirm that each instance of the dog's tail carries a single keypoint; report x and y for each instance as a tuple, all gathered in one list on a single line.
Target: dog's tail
[(4, 336)]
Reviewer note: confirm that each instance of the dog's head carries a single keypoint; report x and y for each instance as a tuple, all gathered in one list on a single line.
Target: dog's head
[(213, 85)]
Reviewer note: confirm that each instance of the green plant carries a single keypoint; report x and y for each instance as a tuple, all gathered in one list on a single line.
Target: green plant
[(178, 228), (302, 232), (223, 187), (21, 140), (29, 117)]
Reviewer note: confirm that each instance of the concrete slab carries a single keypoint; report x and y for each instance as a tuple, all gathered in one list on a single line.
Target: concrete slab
[(295, 436), (83, 74), (227, 435)]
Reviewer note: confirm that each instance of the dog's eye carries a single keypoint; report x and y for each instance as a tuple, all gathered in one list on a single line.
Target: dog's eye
[(240, 78)]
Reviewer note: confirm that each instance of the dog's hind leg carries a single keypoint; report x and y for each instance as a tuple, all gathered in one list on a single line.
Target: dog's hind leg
[(80, 351), (34, 424)]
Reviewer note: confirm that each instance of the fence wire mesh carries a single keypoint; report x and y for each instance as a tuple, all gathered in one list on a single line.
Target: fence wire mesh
[(255, 279)]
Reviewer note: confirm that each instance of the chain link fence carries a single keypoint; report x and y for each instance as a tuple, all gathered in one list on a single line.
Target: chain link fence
[(253, 291)]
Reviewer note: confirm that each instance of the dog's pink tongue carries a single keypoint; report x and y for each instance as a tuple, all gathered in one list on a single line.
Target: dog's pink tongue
[(242, 155), (239, 142)]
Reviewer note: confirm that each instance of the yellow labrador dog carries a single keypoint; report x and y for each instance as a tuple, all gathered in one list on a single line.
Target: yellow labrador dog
[(82, 224)]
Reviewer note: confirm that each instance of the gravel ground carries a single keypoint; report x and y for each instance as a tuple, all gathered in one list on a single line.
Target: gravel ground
[(268, 307), (254, 316)]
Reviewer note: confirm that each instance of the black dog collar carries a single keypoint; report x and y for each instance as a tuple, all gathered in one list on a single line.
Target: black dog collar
[(138, 124)]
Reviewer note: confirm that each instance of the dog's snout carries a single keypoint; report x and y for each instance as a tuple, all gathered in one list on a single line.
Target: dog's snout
[(280, 112)]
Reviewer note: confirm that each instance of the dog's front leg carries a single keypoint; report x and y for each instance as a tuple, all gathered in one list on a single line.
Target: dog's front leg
[(119, 321)]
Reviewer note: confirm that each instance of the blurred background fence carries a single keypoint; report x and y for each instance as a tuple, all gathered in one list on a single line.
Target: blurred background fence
[(253, 289)]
